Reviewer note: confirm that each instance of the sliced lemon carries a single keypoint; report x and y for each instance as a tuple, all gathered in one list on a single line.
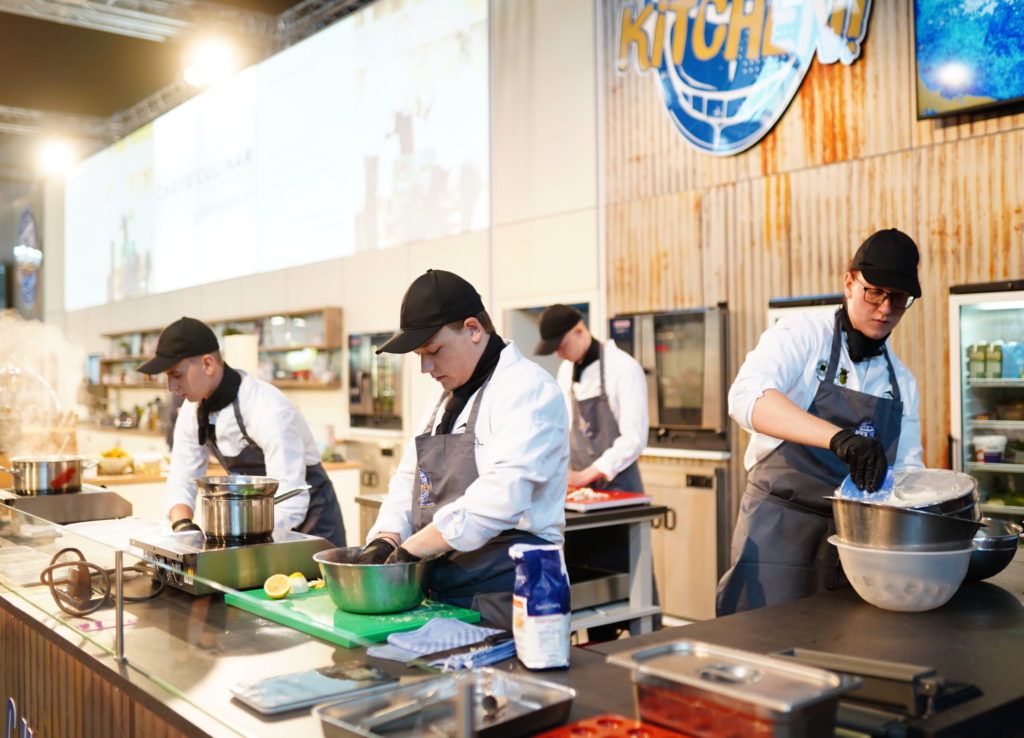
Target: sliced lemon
[(299, 583), (277, 586), (317, 584)]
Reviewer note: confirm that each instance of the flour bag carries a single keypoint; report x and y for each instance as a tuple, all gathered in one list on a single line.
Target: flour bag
[(540, 606)]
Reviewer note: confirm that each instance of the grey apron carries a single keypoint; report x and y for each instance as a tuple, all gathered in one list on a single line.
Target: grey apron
[(780, 547), (482, 579), (323, 518), (594, 430)]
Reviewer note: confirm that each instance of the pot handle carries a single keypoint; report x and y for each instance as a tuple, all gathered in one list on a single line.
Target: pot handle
[(13, 472), (290, 493)]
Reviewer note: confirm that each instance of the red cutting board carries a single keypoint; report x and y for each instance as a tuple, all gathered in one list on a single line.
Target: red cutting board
[(313, 613), (611, 499)]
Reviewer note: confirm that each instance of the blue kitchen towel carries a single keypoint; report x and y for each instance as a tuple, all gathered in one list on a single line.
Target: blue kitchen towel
[(481, 657), (440, 634), (435, 635)]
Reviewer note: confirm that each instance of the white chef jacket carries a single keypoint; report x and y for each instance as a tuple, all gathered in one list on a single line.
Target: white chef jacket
[(272, 422), (626, 387), (788, 358), (522, 454)]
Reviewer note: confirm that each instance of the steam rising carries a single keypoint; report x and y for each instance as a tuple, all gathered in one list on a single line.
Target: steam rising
[(40, 375)]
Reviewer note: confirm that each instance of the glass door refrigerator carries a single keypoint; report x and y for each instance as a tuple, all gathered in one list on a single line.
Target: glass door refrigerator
[(987, 391)]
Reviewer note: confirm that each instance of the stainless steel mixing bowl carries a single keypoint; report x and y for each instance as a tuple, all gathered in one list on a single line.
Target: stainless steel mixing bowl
[(370, 588), (995, 545), (889, 527), (956, 493)]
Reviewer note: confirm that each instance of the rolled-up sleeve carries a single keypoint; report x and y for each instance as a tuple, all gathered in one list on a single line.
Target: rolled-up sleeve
[(778, 362), (527, 454), (188, 460)]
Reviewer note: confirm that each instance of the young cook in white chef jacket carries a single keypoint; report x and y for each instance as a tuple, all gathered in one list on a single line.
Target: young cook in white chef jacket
[(823, 396), (246, 424), (488, 468)]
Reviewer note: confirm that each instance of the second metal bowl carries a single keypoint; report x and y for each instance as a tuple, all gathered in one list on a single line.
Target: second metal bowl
[(370, 588), (995, 545), (889, 527)]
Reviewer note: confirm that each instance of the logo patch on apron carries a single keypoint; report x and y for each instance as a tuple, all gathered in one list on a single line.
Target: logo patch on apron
[(426, 490), (585, 428), (866, 429)]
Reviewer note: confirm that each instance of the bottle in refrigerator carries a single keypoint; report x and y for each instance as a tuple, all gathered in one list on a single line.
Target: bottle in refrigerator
[(976, 358), (994, 360)]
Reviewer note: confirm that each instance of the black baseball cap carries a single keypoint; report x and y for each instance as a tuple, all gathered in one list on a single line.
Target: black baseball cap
[(432, 301), (889, 259), (555, 322), (183, 338)]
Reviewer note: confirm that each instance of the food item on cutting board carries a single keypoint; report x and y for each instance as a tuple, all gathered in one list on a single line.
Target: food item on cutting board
[(277, 586), (299, 583), (586, 494)]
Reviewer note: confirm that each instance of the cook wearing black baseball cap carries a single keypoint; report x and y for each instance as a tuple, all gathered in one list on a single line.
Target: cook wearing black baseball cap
[(487, 469), (182, 339), (555, 322), (433, 300), (827, 402), (889, 258), (246, 424)]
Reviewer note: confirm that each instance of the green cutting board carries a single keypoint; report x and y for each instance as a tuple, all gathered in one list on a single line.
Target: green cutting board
[(313, 612)]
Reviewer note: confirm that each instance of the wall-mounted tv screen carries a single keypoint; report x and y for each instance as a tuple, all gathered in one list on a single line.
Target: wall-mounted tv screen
[(970, 55)]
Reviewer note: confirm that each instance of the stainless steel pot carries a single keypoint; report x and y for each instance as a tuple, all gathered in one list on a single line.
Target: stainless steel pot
[(47, 475), (239, 507)]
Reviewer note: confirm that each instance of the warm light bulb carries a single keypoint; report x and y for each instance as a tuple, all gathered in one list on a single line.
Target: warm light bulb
[(210, 61), (56, 156)]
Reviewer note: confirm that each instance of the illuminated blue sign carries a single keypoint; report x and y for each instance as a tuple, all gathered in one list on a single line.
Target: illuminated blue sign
[(729, 68)]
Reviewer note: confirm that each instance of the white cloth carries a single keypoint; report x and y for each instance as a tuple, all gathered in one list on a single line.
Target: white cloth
[(522, 454), (272, 422), (787, 359), (626, 387)]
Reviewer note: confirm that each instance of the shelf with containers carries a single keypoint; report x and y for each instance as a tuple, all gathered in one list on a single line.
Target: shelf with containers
[(987, 391), (295, 350)]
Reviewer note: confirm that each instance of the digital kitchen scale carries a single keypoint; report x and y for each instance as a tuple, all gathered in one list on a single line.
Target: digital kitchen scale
[(190, 558)]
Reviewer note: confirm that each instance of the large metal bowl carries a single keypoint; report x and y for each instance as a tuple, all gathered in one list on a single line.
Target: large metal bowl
[(995, 545), (900, 528), (370, 588)]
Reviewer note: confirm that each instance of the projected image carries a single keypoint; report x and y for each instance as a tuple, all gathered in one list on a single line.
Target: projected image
[(970, 54), (370, 134)]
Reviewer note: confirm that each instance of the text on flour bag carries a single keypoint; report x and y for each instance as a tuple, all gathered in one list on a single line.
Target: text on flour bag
[(540, 606)]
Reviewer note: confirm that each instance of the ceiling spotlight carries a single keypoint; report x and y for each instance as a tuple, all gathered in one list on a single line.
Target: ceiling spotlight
[(210, 61), (55, 157)]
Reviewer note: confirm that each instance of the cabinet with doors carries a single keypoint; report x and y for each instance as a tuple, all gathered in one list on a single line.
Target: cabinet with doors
[(690, 542)]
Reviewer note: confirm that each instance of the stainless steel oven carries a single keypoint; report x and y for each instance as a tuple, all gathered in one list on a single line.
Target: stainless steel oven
[(374, 383), (683, 356)]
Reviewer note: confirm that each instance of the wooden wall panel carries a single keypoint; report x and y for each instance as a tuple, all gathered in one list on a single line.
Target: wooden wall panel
[(847, 158)]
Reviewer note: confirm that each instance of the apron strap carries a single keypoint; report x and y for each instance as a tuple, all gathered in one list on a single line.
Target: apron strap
[(833, 360), (470, 423), (601, 392), (212, 447), (429, 430)]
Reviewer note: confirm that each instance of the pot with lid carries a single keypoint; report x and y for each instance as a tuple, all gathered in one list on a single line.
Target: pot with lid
[(240, 508), (54, 474)]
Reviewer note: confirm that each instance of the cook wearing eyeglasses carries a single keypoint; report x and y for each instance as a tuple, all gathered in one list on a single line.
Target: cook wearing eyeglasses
[(823, 396)]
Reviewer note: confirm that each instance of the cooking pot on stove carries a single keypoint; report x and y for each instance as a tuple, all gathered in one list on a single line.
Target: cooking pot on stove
[(240, 507), (56, 474)]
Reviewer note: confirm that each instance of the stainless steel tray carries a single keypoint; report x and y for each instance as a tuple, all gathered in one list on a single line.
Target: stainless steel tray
[(503, 705)]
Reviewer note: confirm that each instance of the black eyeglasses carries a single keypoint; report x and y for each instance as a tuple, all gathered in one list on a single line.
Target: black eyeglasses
[(875, 296)]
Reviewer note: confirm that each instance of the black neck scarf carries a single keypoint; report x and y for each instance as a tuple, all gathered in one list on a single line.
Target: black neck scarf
[(460, 395), (860, 346), (219, 399), (589, 358)]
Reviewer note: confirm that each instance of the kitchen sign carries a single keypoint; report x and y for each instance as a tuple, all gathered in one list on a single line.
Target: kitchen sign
[(728, 69)]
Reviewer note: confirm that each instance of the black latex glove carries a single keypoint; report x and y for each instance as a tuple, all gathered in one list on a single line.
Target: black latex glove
[(401, 556), (865, 457), (184, 525), (376, 551)]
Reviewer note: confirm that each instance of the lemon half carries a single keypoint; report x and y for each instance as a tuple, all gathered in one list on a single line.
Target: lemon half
[(299, 583), (277, 586)]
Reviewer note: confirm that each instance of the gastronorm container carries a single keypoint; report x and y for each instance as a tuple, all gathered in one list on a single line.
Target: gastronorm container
[(503, 704), (704, 690)]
